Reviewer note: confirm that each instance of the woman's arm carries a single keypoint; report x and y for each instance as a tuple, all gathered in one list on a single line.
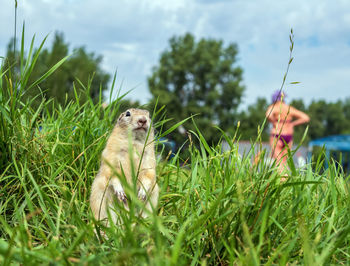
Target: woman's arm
[(299, 117)]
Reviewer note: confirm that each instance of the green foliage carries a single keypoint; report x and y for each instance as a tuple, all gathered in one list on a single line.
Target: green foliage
[(253, 117), (61, 86), (329, 118), (300, 130), (199, 78), (346, 112)]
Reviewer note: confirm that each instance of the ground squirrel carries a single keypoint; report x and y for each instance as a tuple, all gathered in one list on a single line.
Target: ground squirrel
[(129, 134)]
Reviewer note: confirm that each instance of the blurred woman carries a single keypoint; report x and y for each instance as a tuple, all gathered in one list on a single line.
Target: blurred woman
[(283, 118)]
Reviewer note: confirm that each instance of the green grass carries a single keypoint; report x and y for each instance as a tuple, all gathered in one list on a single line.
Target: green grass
[(216, 209)]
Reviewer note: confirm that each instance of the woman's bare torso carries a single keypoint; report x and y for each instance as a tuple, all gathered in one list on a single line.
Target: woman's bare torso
[(281, 115)]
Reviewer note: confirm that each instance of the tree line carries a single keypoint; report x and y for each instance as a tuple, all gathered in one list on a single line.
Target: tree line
[(199, 78), (81, 70), (326, 118)]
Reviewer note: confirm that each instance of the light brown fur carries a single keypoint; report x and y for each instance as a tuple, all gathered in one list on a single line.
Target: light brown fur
[(134, 125)]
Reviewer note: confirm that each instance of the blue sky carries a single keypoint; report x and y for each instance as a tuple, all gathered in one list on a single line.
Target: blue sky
[(132, 34)]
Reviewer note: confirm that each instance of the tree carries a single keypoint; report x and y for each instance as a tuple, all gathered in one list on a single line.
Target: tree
[(335, 119), (317, 123), (199, 78), (252, 118), (300, 129), (346, 111), (82, 66), (328, 118)]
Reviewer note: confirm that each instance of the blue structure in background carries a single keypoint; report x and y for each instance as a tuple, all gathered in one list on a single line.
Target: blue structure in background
[(336, 143)]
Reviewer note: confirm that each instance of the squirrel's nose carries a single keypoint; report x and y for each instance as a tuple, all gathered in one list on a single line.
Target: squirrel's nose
[(142, 121)]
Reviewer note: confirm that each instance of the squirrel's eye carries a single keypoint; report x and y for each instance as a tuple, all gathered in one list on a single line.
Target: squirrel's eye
[(127, 113)]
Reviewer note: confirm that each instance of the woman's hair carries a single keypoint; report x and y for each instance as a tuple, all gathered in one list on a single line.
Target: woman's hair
[(278, 96)]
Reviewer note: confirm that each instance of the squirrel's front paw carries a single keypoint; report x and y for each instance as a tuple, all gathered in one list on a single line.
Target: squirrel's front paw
[(142, 195), (120, 194)]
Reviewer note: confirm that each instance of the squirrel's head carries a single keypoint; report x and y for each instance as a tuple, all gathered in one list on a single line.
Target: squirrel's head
[(138, 121)]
